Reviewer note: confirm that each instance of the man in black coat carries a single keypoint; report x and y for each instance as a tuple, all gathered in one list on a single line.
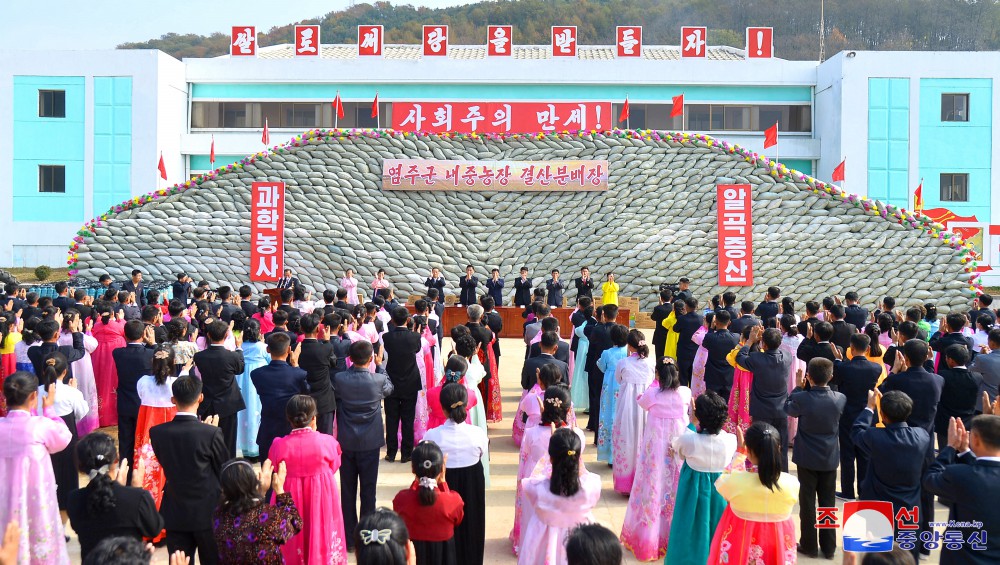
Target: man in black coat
[(857, 378), (248, 306), (599, 335), (746, 318), (192, 455), (578, 318), (982, 305), (79, 298), (182, 289), (492, 320), (719, 342), (842, 331), (468, 285), (135, 286), (660, 313), (958, 394), (950, 333), (551, 324), (218, 368), (318, 358), (522, 289), (133, 362), (276, 383), (435, 281), (769, 390), (225, 305), (555, 288), (548, 345), (685, 327), (584, 284), (768, 309), (63, 301), (48, 330), (854, 313), (401, 348), (288, 280)]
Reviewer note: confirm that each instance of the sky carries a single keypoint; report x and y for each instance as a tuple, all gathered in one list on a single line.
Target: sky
[(103, 24)]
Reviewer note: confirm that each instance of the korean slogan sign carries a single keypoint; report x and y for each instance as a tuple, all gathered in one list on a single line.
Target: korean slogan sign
[(267, 230), (434, 174)]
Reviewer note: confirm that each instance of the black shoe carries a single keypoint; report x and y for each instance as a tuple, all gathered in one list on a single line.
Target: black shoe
[(390, 457), (814, 554), (843, 496), (405, 459), (829, 555)]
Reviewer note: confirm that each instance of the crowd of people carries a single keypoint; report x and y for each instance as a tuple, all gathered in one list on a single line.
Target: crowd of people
[(236, 414)]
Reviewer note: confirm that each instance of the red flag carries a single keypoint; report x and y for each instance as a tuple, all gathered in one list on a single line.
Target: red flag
[(338, 106), (162, 167), (211, 155), (838, 173), (266, 137), (771, 136), (375, 106), (678, 109), (918, 198), (624, 115)]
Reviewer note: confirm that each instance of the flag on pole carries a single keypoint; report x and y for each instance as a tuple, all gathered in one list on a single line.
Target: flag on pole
[(624, 113), (918, 198), (266, 137), (162, 167), (211, 154), (838, 173), (678, 109), (338, 106), (771, 136), (375, 106)]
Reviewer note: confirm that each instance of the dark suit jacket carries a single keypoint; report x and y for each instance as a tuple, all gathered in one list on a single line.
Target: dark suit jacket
[(562, 353), (133, 362), (810, 349), (481, 334), (685, 327), (939, 342), (600, 341), (739, 324), (192, 454), (134, 516), (228, 309), (401, 348), (319, 360), (856, 316), (660, 313), (817, 444), (890, 358), (528, 376), (842, 332), (359, 408), (467, 294), (895, 460), (522, 291), (766, 310), (293, 337), (181, 291), (855, 378), (495, 290), (989, 312), (249, 308), (84, 310), (63, 303), (584, 288), (73, 353), (577, 319), (138, 289), (554, 298), (971, 486), (218, 368), (718, 371), (437, 283), (291, 282), (276, 383), (770, 381), (494, 322), (924, 389), (958, 397)]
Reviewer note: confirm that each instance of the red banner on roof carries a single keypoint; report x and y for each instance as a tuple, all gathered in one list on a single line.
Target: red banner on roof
[(500, 117)]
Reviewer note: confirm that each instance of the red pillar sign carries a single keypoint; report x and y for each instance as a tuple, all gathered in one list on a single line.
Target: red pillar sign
[(267, 231), (735, 235)]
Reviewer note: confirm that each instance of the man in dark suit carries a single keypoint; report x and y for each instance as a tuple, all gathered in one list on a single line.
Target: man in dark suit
[(768, 309), (48, 330), (435, 281), (959, 393), (359, 431), (276, 383), (435, 298), (135, 286), (660, 313), (729, 304), (895, 453), (967, 472), (182, 289), (493, 321), (842, 331), (401, 348), (578, 318), (63, 301), (550, 341), (192, 455), (857, 378), (318, 358), (551, 324), (746, 318), (288, 280), (153, 316), (815, 454), (982, 305), (341, 303), (494, 287), (248, 306), (280, 319), (133, 362), (584, 284), (522, 289), (468, 284), (599, 335), (950, 333), (817, 344), (769, 390), (226, 305), (854, 313), (686, 348), (108, 283), (218, 368), (80, 305), (555, 288), (719, 342)]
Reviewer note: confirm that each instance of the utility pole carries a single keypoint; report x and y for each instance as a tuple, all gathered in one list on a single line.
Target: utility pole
[(822, 30)]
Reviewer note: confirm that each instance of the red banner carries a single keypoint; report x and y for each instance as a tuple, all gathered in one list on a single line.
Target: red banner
[(500, 117), (267, 231), (735, 235)]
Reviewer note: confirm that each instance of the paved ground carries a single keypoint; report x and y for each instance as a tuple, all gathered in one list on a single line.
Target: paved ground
[(504, 460)]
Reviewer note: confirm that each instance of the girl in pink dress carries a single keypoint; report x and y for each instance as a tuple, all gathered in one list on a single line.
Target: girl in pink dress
[(110, 334), (700, 358), (557, 502), (425, 363), (790, 341), (529, 410), (350, 284), (454, 372), (646, 529), (739, 396), (264, 315), (379, 282), (83, 370), (26, 442), (633, 375), (312, 460)]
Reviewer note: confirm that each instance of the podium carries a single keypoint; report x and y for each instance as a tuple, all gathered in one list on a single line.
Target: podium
[(274, 294)]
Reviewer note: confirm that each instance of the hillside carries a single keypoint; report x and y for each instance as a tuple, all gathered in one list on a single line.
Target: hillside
[(897, 25)]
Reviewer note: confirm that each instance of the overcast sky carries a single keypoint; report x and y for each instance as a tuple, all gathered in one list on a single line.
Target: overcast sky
[(103, 24)]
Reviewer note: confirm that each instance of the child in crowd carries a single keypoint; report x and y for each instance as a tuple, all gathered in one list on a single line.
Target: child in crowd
[(429, 508), (592, 544), (382, 538), (700, 358), (633, 375), (609, 391)]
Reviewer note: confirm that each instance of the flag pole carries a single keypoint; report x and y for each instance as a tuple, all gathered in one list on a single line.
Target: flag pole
[(777, 139), (629, 115), (336, 111)]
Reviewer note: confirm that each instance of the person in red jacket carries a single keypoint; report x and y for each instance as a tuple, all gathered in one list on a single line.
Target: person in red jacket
[(431, 511)]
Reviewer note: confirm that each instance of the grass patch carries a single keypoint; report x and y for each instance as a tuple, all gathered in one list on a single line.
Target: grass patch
[(26, 275)]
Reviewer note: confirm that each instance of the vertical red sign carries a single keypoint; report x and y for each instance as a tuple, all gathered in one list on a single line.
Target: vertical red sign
[(735, 235), (629, 41), (243, 41), (760, 43), (499, 41), (435, 41), (564, 41), (694, 42), (370, 41), (267, 230), (307, 41)]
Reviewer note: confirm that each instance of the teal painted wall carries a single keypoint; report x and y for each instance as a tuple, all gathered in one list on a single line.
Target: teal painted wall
[(390, 92), (202, 163), (48, 141), (957, 147), (112, 140), (800, 165), (889, 140)]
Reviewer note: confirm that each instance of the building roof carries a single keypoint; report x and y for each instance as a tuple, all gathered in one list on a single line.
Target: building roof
[(467, 52)]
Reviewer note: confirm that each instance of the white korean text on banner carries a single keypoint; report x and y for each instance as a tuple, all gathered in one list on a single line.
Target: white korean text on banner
[(735, 235), (267, 231), (499, 117), (435, 174)]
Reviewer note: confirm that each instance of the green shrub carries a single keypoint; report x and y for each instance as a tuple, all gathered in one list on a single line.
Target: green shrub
[(42, 272)]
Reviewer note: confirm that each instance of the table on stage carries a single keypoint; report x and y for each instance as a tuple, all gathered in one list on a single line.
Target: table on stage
[(513, 321)]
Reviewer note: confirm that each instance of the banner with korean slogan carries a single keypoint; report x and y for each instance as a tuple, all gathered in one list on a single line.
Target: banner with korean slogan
[(267, 231), (735, 235), (500, 117), (434, 174)]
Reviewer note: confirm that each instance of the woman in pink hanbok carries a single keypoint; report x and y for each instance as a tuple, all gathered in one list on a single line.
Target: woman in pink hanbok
[(26, 474), (109, 330), (633, 375), (790, 341), (557, 502), (312, 460), (350, 284), (83, 371), (700, 358), (425, 364), (739, 395), (646, 529)]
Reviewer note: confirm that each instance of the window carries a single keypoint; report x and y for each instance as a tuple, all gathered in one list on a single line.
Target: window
[(300, 115), (51, 103), (736, 118), (51, 178), (954, 107), (955, 187)]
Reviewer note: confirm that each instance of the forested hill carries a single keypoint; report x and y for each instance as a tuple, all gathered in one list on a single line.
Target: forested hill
[(888, 25)]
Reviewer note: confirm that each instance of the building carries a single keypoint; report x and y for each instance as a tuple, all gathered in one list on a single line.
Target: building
[(897, 118)]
